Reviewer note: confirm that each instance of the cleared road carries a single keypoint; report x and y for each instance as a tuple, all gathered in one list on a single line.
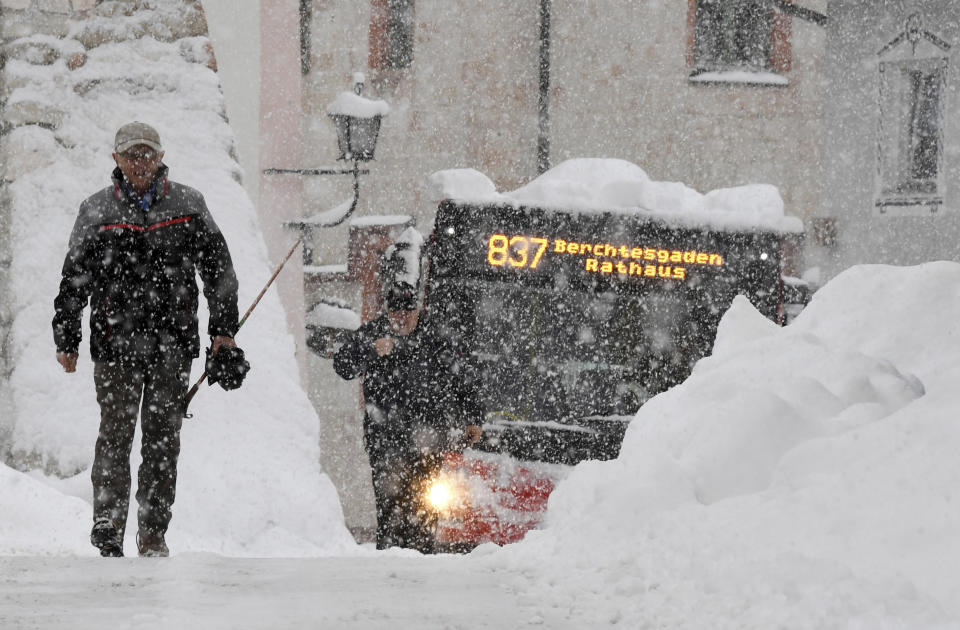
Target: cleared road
[(212, 592)]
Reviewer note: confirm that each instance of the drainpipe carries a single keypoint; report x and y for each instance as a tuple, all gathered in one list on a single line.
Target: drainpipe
[(543, 104), (306, 15)]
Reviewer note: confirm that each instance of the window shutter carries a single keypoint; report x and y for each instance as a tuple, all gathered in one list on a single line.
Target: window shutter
[(391, 34), (781, 47), (691, 32), (379, 34)]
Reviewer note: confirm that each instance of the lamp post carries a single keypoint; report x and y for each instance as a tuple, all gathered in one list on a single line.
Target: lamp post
[(357, 122)]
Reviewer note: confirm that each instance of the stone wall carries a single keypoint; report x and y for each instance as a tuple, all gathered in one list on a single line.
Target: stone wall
[(30, 30)]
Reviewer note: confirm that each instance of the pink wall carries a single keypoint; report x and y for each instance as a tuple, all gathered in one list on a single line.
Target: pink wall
[(281, 146)]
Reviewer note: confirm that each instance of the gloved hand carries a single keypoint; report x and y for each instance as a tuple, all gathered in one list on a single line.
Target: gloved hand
[(226, 366)]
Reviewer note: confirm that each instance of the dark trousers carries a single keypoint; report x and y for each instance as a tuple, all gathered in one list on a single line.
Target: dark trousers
[(155, 387), (400, 474)]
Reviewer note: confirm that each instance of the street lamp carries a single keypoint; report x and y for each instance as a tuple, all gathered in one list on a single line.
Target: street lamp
[(357, 122)]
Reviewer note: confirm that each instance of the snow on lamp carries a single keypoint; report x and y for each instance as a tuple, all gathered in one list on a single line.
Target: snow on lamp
[(357, 121)]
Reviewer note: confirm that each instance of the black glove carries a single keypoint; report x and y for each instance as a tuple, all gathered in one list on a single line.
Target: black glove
[(227, 367)]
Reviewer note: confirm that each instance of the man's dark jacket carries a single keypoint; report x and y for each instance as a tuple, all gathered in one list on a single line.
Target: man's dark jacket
[(138, 270), (422, 384)]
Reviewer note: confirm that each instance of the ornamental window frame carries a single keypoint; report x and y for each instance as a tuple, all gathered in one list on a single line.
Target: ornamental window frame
[(912, 95)]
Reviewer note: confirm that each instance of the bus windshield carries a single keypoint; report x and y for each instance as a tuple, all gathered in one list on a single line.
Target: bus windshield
[(582, 316)]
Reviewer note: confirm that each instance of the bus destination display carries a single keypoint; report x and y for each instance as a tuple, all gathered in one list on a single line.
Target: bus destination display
[(523, 252)]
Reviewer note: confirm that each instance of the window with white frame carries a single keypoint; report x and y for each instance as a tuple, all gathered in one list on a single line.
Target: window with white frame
[(733, 35)]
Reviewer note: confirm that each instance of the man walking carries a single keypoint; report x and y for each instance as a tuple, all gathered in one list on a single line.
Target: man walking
[(134, 253)]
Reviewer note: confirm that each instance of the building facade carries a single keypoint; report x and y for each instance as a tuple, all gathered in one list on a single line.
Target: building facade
[(892, 135), (510, 88)]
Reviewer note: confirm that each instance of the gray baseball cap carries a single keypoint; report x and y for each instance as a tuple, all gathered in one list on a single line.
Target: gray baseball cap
[(132, 134)]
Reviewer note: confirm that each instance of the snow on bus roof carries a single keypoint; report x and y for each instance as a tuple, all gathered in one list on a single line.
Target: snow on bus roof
[(613, 185)]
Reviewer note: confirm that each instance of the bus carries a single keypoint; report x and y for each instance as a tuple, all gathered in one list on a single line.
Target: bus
[(574, 319)]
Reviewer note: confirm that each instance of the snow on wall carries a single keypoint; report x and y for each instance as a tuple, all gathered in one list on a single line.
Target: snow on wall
[(250, 478)]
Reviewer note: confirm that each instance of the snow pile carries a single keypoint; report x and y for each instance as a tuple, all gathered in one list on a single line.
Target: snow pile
[(325, 315), (740, 76), (597, 184), (333, 216), (37, 519), (250, 481), (461, 183), (803, 477), (406, 252)]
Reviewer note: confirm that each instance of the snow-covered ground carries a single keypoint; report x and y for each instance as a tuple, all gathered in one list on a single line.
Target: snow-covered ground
[(803, 477), (221, 593)]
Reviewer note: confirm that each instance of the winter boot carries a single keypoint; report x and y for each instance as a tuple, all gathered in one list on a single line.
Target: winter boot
[(105, 537), (151, 544)]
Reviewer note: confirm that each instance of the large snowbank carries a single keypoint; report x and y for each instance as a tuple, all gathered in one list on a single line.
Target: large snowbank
[(803, 477), (250, 479)]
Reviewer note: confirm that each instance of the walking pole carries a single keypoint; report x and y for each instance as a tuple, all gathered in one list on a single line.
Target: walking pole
[(203, 377)]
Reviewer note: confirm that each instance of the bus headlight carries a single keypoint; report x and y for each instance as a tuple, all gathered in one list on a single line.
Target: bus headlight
[(444, 493)]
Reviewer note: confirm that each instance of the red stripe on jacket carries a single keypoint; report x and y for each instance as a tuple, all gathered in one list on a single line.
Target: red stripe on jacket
[(129, 226), (157, 226), (141, 228)]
